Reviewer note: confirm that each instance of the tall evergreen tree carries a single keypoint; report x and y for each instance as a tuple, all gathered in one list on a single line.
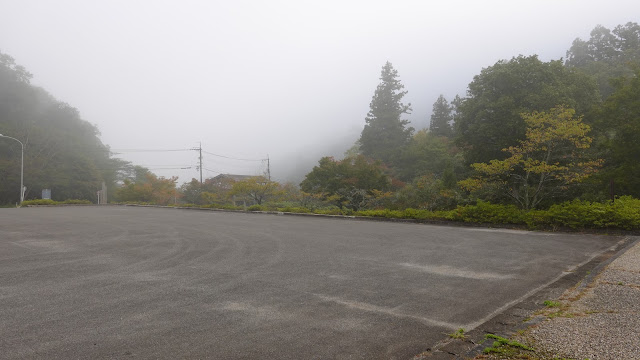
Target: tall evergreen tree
[(385, 133), (441, 118)]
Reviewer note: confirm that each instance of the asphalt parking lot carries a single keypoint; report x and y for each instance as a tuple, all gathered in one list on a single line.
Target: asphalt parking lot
[(123, 282)]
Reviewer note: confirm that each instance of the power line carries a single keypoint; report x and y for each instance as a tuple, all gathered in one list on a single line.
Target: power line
[(172, 168), (232, 158), (149, 150)]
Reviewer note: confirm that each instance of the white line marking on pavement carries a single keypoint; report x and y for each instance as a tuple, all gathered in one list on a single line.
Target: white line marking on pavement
[(446, 270), (387, 311)]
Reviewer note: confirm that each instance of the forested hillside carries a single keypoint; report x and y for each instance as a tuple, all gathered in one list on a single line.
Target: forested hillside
[(62, 152), (527, 132)]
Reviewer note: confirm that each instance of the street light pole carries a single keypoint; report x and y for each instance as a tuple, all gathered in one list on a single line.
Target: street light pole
[(21, 168)]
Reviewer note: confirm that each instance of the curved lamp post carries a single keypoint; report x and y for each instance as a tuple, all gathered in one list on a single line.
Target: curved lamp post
[(21, 168)]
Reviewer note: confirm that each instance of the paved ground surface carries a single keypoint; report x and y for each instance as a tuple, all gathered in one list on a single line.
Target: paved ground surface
[(123, 282)]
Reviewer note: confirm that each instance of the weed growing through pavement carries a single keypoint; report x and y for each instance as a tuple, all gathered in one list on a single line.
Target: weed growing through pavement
[(458, 334), (550, 304), (504, 346)]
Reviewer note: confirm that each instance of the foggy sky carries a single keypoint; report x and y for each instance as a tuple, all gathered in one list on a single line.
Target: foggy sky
[(292, 79)]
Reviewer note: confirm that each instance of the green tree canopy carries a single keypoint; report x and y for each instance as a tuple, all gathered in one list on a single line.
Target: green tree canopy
[(489, 120), (385, 133), (441, 118), (428, 154), (351, 182), (618, 123)]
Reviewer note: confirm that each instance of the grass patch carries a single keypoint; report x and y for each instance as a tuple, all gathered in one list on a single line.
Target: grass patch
[(503, 346), (551, 304), (458, 334)]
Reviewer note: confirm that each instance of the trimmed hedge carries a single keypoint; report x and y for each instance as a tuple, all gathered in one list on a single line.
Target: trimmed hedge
[(623, 213), (51, 202)]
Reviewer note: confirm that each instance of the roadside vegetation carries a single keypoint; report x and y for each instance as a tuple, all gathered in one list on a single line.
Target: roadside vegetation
[(52, 202), (552, 145)]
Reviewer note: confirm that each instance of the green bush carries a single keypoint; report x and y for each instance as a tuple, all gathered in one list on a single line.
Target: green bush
[(39, 202), (256, 208), (294, 209), (623, 213), (385, 213), (76, 202), (51, 202), (484, 212), (329, 211), (222, 207)]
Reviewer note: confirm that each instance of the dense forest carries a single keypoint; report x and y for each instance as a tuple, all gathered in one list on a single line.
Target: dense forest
[(527, 132)]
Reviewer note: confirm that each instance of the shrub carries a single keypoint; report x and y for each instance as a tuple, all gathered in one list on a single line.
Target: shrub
[(39, 202), (623, 213), (52, 202), (385, 213), (76, 202), (294, 209), (484, 212), (329, 211)]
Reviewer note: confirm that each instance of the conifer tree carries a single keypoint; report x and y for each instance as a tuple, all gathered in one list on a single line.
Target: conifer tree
[(385, 133), (441, 118)]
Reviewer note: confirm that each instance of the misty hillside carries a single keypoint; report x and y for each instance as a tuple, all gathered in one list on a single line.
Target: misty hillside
[(62, 152)]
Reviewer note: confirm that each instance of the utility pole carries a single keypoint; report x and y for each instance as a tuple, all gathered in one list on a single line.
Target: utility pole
[(200, 149), (268, 168)]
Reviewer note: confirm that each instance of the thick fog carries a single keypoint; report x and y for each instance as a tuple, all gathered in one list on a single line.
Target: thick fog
[(291, 79)]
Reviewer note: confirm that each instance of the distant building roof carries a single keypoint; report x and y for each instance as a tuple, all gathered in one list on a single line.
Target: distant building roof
[(230, 176)]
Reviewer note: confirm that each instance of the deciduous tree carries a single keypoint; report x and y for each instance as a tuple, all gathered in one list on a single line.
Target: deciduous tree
[(257, 188), (148, 188), (547, 162)]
